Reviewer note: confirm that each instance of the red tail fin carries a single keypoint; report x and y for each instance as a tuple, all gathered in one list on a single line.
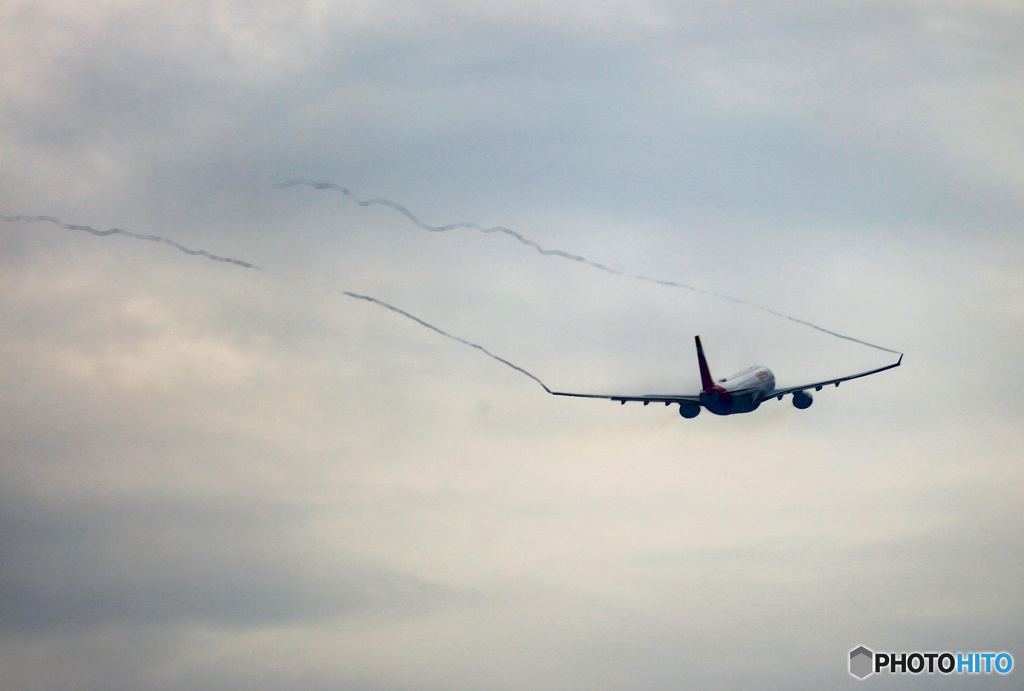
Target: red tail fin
[(705, 374)]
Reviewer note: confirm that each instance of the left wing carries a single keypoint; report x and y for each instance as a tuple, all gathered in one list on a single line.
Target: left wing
[(652, 398), (779, 393)]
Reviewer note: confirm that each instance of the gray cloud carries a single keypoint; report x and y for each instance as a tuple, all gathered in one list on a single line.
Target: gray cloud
[(159, 563), (236, 479)]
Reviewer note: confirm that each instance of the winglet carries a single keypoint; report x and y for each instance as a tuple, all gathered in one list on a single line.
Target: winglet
[(705, 374)]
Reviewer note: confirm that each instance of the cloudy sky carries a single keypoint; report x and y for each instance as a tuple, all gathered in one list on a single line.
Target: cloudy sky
[(221, 477)]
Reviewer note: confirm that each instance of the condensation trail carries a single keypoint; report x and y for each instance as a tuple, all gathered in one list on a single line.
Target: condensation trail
[(248, 265), (463, 341), (559, 253), (135, 236)]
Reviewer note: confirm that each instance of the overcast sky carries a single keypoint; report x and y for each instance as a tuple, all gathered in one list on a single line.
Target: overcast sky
[(221, 477)]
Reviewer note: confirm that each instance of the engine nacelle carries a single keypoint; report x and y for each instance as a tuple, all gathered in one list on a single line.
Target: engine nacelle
[(803, 399), (689, 410)]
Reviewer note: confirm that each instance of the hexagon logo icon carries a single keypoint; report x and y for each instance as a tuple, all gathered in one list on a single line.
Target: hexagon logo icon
[(861, 660)]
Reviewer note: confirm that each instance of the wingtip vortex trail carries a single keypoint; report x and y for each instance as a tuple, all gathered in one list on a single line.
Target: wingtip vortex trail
[(248, 265), (408, 214), (463, 341), (318, 185), (135, 236)]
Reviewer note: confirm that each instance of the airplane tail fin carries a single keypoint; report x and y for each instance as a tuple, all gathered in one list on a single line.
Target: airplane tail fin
[(705, 374)]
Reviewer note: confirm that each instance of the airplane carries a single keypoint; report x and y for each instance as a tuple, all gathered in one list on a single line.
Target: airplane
[(742, 392)]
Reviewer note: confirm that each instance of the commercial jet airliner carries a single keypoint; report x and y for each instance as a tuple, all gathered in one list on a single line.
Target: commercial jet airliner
[(742, 392)]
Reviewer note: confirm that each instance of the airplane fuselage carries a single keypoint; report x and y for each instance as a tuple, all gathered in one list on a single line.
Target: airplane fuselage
[(754, 382)]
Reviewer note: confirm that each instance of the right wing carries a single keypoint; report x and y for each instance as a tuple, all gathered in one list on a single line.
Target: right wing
[(779, 393)]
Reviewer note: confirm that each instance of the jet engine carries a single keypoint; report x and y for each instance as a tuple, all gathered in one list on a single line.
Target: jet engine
[(689, 410), (803, 399)]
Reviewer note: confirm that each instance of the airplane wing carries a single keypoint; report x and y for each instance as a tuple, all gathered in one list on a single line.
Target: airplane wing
[(652, 398), (817, 386)]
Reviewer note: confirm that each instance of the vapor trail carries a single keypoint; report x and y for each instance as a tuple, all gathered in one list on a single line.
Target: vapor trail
[(136, 236), (451, 226), (463, 341), (559, 253), (247, 265)]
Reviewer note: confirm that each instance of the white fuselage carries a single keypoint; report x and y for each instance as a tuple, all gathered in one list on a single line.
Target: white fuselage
[(742, 392)]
